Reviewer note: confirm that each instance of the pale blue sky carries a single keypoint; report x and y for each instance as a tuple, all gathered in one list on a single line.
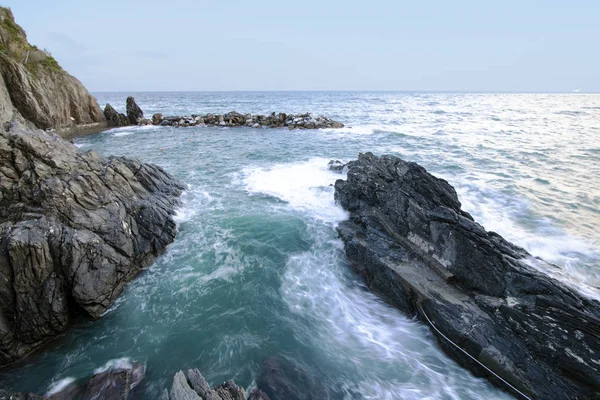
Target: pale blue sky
[(320, 45)]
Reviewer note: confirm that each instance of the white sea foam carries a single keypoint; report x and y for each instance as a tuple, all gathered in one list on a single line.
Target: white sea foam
[(305, 186), (116, 363), (57, 386), (545, 240), (355, 328), (192, 201), (122, 133)]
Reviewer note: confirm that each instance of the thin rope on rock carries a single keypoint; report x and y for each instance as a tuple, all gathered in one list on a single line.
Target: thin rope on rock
[(470, 356)]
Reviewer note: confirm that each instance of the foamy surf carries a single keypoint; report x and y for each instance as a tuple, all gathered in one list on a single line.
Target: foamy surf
[(564, 256), (59, 385), (355, 328), (305, 186)]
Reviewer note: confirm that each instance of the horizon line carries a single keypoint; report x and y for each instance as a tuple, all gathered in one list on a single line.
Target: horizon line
[(344, 91)]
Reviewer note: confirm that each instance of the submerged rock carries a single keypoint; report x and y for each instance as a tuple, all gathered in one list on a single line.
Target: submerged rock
[(74, 229), (134, 112), (409, 238), (281, 378)]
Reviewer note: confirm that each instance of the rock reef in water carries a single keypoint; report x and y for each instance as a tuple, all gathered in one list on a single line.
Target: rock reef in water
[(74, 229), (135, 116), (113, 383), (35, 90), (409, 238)]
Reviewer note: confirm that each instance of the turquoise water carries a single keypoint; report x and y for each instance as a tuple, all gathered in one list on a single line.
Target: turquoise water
[(257, 269)]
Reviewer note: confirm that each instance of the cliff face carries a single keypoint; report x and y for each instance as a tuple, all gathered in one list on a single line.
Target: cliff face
[(74, 229), (34, 87)]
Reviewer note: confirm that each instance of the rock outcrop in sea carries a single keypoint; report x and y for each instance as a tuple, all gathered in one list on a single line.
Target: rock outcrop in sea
[(489, 308), (35, 90), (135, 116), (74, 229)]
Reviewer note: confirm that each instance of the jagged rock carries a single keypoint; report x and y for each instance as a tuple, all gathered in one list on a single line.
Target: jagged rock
[(157, 119), (195, 387), (134, 112), (335, 166), (74, 229), (40, 91), (113, 118), (409, 238)]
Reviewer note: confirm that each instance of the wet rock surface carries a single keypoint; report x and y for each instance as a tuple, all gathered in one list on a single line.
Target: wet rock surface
[(135, 116), (113, 383), (193, 386), (235, 119), (409, 238), (113, 118), (134, 112), (74, 229)]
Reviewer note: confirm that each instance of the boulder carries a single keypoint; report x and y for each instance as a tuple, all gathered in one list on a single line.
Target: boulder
[(74, 229), (488, 307), (113, 118), (157, 119), (134, 112)]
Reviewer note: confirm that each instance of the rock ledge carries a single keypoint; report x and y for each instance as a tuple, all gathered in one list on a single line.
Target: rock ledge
[(409, 238)]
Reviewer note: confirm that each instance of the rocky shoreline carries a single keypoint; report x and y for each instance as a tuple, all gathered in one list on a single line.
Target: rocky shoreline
[(488, 307), (74, 229), (135, 116), (278, 379)]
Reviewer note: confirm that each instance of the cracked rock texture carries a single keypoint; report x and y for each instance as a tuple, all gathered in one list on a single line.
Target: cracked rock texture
[(74, 229), (409, 238)]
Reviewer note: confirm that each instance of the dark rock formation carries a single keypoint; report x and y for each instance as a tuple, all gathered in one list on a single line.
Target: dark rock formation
[(115, 383), (74, 229), (281, 378), (157, 119), (336, 166), (35, 88), (412, 242), (235, 119), (195, 387), (113, 118), (134, 112)]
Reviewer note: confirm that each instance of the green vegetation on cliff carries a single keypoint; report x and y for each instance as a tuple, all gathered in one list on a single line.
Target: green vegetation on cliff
[(13, 43)]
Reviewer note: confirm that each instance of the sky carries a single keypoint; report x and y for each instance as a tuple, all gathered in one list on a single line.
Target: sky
[(435, 45)]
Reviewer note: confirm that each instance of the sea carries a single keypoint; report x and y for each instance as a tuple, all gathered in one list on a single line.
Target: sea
[(257, 269)]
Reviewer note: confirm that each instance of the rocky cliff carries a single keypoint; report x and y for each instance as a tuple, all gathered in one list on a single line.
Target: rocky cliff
[(35, 88), (489, 308), (74, 229)]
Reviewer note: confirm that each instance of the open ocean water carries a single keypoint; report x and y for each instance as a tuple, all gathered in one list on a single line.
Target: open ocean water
[(257, 269)]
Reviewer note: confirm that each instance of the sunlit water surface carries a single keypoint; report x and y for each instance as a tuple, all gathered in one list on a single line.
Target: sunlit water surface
[(257, 268)]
